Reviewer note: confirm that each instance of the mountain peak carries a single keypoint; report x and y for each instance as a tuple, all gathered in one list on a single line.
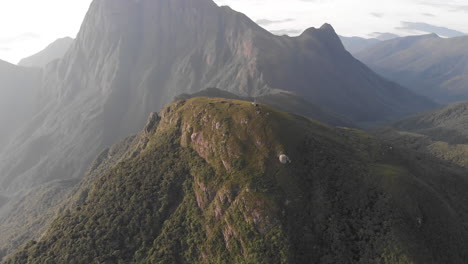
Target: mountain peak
[(433, 35), (327, 27)]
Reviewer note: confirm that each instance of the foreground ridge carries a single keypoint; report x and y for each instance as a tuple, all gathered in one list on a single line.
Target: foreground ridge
[(204, 182)]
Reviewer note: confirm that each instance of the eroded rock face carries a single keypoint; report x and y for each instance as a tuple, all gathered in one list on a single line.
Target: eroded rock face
[(152, 122)]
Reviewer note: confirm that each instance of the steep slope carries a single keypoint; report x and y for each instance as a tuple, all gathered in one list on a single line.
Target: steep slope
[(432, 66), (205, 185), (283, 101), (448, 123), (18, 88), (357, 44), (442, 133), (54, 51), (132, 57), (29, 217)]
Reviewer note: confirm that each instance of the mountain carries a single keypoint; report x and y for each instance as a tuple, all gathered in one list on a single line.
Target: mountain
[(124, 64), (382, 36), (225, 181), (442, 133), (130, 58), (357, 44), (448, 123), (430, 65), (54, 51), (282, 101), (18, 87)]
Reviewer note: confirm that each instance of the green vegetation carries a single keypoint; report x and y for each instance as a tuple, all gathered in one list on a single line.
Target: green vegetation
[(442, 133), (206, 186)]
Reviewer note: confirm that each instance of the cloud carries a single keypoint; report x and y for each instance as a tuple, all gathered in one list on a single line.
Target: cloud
[(451, 5), (428, 28), (19, 38), (383, 36), (286, 32), (266, 22), (377, 15)]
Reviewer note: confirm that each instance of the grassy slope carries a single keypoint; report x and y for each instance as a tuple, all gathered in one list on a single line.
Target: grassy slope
[(206, 186), (283, 101), (442, 132)]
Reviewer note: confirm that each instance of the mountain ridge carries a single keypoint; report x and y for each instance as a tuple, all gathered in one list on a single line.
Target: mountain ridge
[(53, 51), (206, 183), (441, 133), (428, 64), (281, 101)]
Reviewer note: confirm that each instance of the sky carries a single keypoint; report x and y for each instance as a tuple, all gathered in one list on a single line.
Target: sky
[(25, 31)]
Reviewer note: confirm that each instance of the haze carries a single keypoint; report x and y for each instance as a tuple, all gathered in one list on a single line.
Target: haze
[(24, 31)]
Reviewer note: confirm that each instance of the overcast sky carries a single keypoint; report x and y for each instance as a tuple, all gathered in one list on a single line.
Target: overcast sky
[(27, 26)]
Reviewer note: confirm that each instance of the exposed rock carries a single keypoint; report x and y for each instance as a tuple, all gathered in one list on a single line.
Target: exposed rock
[(152, 122), (284, 159)]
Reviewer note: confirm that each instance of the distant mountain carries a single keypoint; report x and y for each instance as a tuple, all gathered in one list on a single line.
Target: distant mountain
[(282, 101), (382, 36), (18, 89), (124, 64), (225, 181), (357, 44), (430, 65), (442, 133), (131, 58), (54, 51)]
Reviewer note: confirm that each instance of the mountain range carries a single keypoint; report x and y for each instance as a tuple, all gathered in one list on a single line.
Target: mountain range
[(357, 44), (130, 59), (430, 65)]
